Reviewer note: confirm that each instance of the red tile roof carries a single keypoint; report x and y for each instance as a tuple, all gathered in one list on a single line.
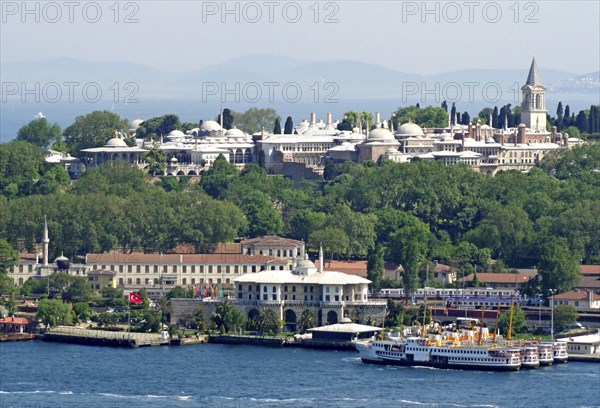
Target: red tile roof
[(576, 295), (514, 278), (15, 320), (272, 240), (357, 268), (589, 282), (138, 257), (590, 270)]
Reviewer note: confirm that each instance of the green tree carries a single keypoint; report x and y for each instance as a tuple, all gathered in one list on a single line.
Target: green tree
[(335, 241), (8, 256), (565, 315), (558, 267), (216, 180), (157, 161), (277, 127), (255, 119), (267, 322), (227, 317), (179, 292), (53, 180), (40, 133), (289, 126), (53, 312), (20, 164), (228, 119), (518, 321), (307, 320), (82, 311), (375, 266), (92, 130)]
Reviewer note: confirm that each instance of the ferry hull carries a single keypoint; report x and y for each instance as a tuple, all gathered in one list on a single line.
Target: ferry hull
[(449, 366)]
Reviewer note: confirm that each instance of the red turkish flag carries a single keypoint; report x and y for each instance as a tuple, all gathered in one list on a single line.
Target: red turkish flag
[(135, 298)]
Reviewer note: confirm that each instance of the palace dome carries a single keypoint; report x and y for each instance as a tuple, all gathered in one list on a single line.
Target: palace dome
[(210, 126), (116, 142), (381, 134), (410, 129)]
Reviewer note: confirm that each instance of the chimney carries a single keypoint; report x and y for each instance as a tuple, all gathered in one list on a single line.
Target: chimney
[(329, 118), (521, 134), (313, 118), (554, 134), (378, 119), (566, 140), (478, 131)]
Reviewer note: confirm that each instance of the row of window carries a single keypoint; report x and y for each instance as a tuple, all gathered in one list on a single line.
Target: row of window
[(191, 268), (184, 281)]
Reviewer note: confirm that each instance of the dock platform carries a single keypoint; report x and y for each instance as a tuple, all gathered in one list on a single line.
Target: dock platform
[(108, 338)]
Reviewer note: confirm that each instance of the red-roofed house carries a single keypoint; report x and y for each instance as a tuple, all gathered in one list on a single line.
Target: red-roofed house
[(580, 299), (499, 280), (590, 270), (274, 246), (15, 325)]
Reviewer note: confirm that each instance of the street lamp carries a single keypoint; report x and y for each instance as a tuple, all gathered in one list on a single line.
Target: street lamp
[(552, 292)]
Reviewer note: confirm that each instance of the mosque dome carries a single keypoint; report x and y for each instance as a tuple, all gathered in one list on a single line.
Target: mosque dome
[(116, 141), (306, 263), (410, 129), (210, 126), (381, 134), (174, 134), (490, 140), (62, 262), (134, 124), (234, 132)]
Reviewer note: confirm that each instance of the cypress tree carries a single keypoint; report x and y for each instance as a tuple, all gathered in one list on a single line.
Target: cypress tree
[(466, 119), (495, 122), (581, 122), (567, 118), (277, 127), (289, 126)]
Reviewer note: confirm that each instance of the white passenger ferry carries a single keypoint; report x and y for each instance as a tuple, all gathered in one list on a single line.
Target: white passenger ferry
[(545, 354), (529, 357), (419, 351), (559, 349)]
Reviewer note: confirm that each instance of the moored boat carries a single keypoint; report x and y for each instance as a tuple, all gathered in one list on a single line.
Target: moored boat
[(545, 354), (433, 352), (559, 349), (529, 357)]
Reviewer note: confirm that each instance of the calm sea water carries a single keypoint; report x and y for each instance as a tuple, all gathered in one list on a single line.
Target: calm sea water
[(37, 374)]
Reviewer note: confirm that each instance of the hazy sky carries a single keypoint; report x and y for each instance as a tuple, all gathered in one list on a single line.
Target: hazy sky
[(413, 37)]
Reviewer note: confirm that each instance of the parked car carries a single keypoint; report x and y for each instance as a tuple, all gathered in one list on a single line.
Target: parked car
[(577, 326)]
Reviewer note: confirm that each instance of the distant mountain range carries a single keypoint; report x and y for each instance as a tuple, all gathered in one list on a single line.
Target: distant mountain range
[(354, 79), (345, 84)]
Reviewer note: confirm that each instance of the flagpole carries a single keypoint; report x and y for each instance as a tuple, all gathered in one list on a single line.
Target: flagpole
[(129, 313)]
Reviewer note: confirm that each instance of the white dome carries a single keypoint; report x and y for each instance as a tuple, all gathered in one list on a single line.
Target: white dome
[(411, 129), (490, 140), (134, 124), (381, 134), (234, 132), (306, 263), (210, 126), (116, 142), (176, 133)]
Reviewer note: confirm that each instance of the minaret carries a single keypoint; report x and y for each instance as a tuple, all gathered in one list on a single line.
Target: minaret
[(320, 257), (45, 241), (533, 108)]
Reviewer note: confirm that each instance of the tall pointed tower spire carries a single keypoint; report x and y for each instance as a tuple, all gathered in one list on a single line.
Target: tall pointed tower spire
[(533, 108), (45, 242), (534, 76)]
